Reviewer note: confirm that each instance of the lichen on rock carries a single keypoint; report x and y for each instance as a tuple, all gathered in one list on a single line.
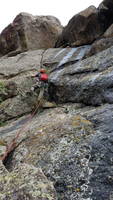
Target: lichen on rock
[(26, 182)]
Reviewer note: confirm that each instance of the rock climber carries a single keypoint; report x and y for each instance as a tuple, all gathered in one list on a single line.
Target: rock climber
[(41, 85), (42, 75), (41, 79)]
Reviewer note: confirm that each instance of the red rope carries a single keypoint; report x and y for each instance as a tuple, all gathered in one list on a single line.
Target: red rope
[(13, 144), (25, 125)]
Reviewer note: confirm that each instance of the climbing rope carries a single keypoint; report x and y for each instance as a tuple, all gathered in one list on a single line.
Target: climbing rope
[(14, 144), (41, 61)]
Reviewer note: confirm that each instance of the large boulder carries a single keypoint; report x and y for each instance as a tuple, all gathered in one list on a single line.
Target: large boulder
[(28, 32), (105, 11), (83, 28)]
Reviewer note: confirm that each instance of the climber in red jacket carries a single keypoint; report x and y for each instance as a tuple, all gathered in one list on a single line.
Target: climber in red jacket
[(42, 75), (41, 78)]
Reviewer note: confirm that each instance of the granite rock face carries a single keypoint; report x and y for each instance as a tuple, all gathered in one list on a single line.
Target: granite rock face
[(68, 147), (16, 80), (18, 99), (61, 149), (73, 147), (89, 81)]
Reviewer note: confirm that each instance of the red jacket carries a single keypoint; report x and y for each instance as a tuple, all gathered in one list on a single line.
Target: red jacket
[(43, 77)]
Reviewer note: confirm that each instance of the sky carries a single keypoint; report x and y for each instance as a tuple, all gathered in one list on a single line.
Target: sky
[(64, 10)]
